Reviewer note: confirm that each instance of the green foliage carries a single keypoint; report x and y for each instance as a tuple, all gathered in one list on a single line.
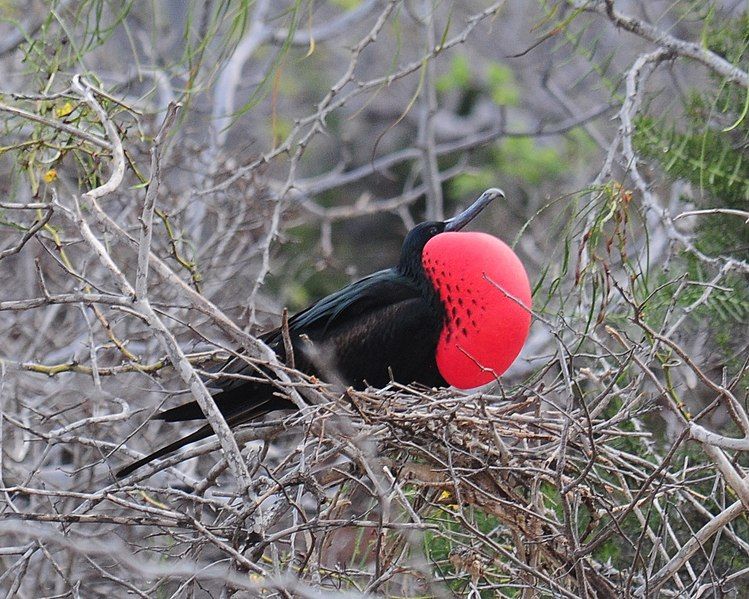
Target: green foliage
[(61, 51), (346, 4), (526, 159), (725, 305), (715, 162), (522, 158), (496, 79), (442, 548), (458, 77), (471, 182), (709, 145), (504, 89)]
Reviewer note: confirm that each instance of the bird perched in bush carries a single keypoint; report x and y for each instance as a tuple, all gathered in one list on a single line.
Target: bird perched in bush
[(454, 311)]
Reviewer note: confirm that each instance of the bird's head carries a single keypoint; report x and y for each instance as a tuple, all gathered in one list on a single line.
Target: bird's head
[(418, 237), (484, 292)]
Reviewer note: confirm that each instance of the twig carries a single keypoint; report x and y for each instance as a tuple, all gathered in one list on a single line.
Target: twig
[(146, 219)]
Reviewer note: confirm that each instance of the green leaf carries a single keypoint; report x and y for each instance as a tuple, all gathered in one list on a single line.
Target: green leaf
[(458, 77), (526, 160), (347, 4), (501, 80), (470, 183)]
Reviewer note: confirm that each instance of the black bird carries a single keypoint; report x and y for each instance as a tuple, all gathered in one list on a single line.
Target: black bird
[(454, 311)]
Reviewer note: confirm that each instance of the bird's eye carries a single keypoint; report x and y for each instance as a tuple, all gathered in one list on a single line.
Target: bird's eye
[(433, 230)]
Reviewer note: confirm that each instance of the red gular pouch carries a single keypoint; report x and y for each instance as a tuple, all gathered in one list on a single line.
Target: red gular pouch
[(487, 299)]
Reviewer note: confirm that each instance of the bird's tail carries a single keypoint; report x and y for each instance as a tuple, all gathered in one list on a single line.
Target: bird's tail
[(201, 433), (231, 406), (192, 411)]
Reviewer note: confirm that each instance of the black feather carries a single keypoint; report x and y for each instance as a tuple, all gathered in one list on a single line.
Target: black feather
[(384, 326)]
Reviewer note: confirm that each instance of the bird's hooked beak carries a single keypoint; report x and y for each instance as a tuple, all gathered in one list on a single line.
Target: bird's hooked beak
[(456, 223)]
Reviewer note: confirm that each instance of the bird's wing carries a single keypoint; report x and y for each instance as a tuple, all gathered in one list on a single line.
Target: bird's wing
[(369, 295), (340, 314), (379, 290), (350, 320)]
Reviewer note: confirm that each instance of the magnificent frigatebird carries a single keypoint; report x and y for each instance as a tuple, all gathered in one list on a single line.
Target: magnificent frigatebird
[(454, 311)]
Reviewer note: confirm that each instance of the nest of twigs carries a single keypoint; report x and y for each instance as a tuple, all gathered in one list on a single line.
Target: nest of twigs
[(404, 492)]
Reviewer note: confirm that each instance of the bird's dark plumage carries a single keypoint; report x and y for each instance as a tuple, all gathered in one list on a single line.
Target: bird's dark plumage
[(384, 327)]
